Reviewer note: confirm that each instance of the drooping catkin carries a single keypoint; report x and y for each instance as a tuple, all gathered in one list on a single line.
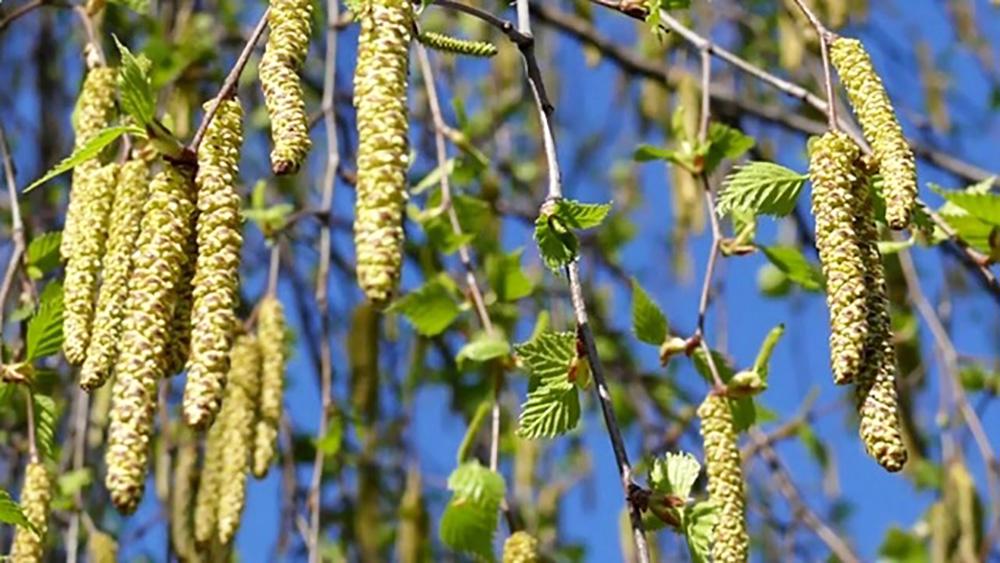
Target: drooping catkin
[(206, 506), (83, 267), (831, 168), (271, 339), (180, 335), (36, 496), (116, 268), (725, 479), (94, 111), (380, 87), (239, 410), (520, 547), (143, 358), (880, 427), (467, 47), (881, 128), (216, 275), (287, 46)]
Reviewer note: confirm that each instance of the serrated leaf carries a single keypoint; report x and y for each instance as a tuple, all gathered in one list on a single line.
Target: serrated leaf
[(45, 335), (506, 276), (554, 229), (470, 519), (582, 215), (699, 522), (10, 511), (675, 474), (762, 188), (724, 142), (429, 308), (548, 357), (89, 150), (795, 265), (135, 88), (648, 321), (483, 348), (45, 425), (983, 206), (549, 411), (43, 253), (971, 229)]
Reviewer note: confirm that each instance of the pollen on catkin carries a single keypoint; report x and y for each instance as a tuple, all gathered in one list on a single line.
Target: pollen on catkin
[(380, 86), (731, 543), (271, 340), (182, 501), (239, 410), (143, 357), (520, 547), (206, 504), (467, 47), (116, 268), (881, 128), (94, 111), (287, 46), (36, 496), (831, 169), (216, 275), (180, 335), (880, 427), (84, 265)]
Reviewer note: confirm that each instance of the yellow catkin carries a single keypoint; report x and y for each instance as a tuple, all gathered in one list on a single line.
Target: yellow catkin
[(731, 544), (831, 168), (878, 411), (207, 500), (102, 548), (216, 277), (94, 111), (116, 269), (287, 46), (83, 267), (143, 358), (380, 86), (182, 501), (520, 547), (271, 338), (239, 411), (180, 342), (881, 127), (36, 496)]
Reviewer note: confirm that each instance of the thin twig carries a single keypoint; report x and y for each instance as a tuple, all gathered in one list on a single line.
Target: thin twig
[(17, 225), (232, 80), (29, 405), (93, 37), (825, 39), (18, 12), (323, 270), (273, 269)]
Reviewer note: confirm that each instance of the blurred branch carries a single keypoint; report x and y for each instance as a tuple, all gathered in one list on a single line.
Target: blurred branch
[(17, 225), (22, 10)]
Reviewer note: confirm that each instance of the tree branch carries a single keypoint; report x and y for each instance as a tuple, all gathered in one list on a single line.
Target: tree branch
[(17, 224)]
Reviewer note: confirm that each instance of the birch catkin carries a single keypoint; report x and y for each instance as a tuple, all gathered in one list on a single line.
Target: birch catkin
[(467, 47), (731, 543), (206, 503), (380, 85), (182, 501), (143, 358), (36, 496), (520, 547), (831, 168), (116, 268), (271, 339), (83, 267), (287, 46), (216, 277), (881, 128)]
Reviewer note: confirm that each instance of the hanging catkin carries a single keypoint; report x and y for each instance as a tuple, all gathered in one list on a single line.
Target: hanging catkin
[(83, 267), (216, 276), (147, 325), (731, 543), (287, 46), (467, 47), (380, 84), (180, 334), (271, 339), (36, 495), (876, 383), (206, 503), (831, 168), (182, 500), (520, 547), (882, 130), (94, 111), (239, 410), (116, 268)]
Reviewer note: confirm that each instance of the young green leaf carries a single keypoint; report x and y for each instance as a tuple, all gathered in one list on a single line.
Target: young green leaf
[(549, 411), (46, 422), (42, 254), (548, 357), (89, 150), (699, 521), (554, 229), (648, 321), (483, 348), (795, 265), (763, 188), (675, 474), (431, 308), (135, 87), (506, 276), (761, 364), (332, 441), (137, 6), (45, 334), (983, 206), (470, 519), (724, 142)]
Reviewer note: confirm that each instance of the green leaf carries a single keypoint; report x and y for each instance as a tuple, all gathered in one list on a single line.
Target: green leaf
[(46, 421), (72, 482), (269, 219), (548, 357), (582, 215), (506, 276), (795, 265), (431, 307), (724, 142), (137, 6), (901, 546), (135, 87), (549, 411), (675, 474), (983, 206), (648, 321), (10, 511), (45, 334), (89, 150), (483, 348), (699, 522), (646, 153), (552, 406), (470, 519), (332, 441), (761, 364), (472, 213), (43, 254), (744, 410), (972, 230), (763, 188), (554, 229)]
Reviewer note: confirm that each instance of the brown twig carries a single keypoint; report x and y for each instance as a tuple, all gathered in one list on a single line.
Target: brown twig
[(17, 224), (232, 80), (825, 38), (20, 11)]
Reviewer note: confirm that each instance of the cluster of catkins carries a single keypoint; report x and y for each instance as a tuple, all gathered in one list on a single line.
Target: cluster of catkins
[(520, 547), (861, 350), (36, 496), (731, 542)]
